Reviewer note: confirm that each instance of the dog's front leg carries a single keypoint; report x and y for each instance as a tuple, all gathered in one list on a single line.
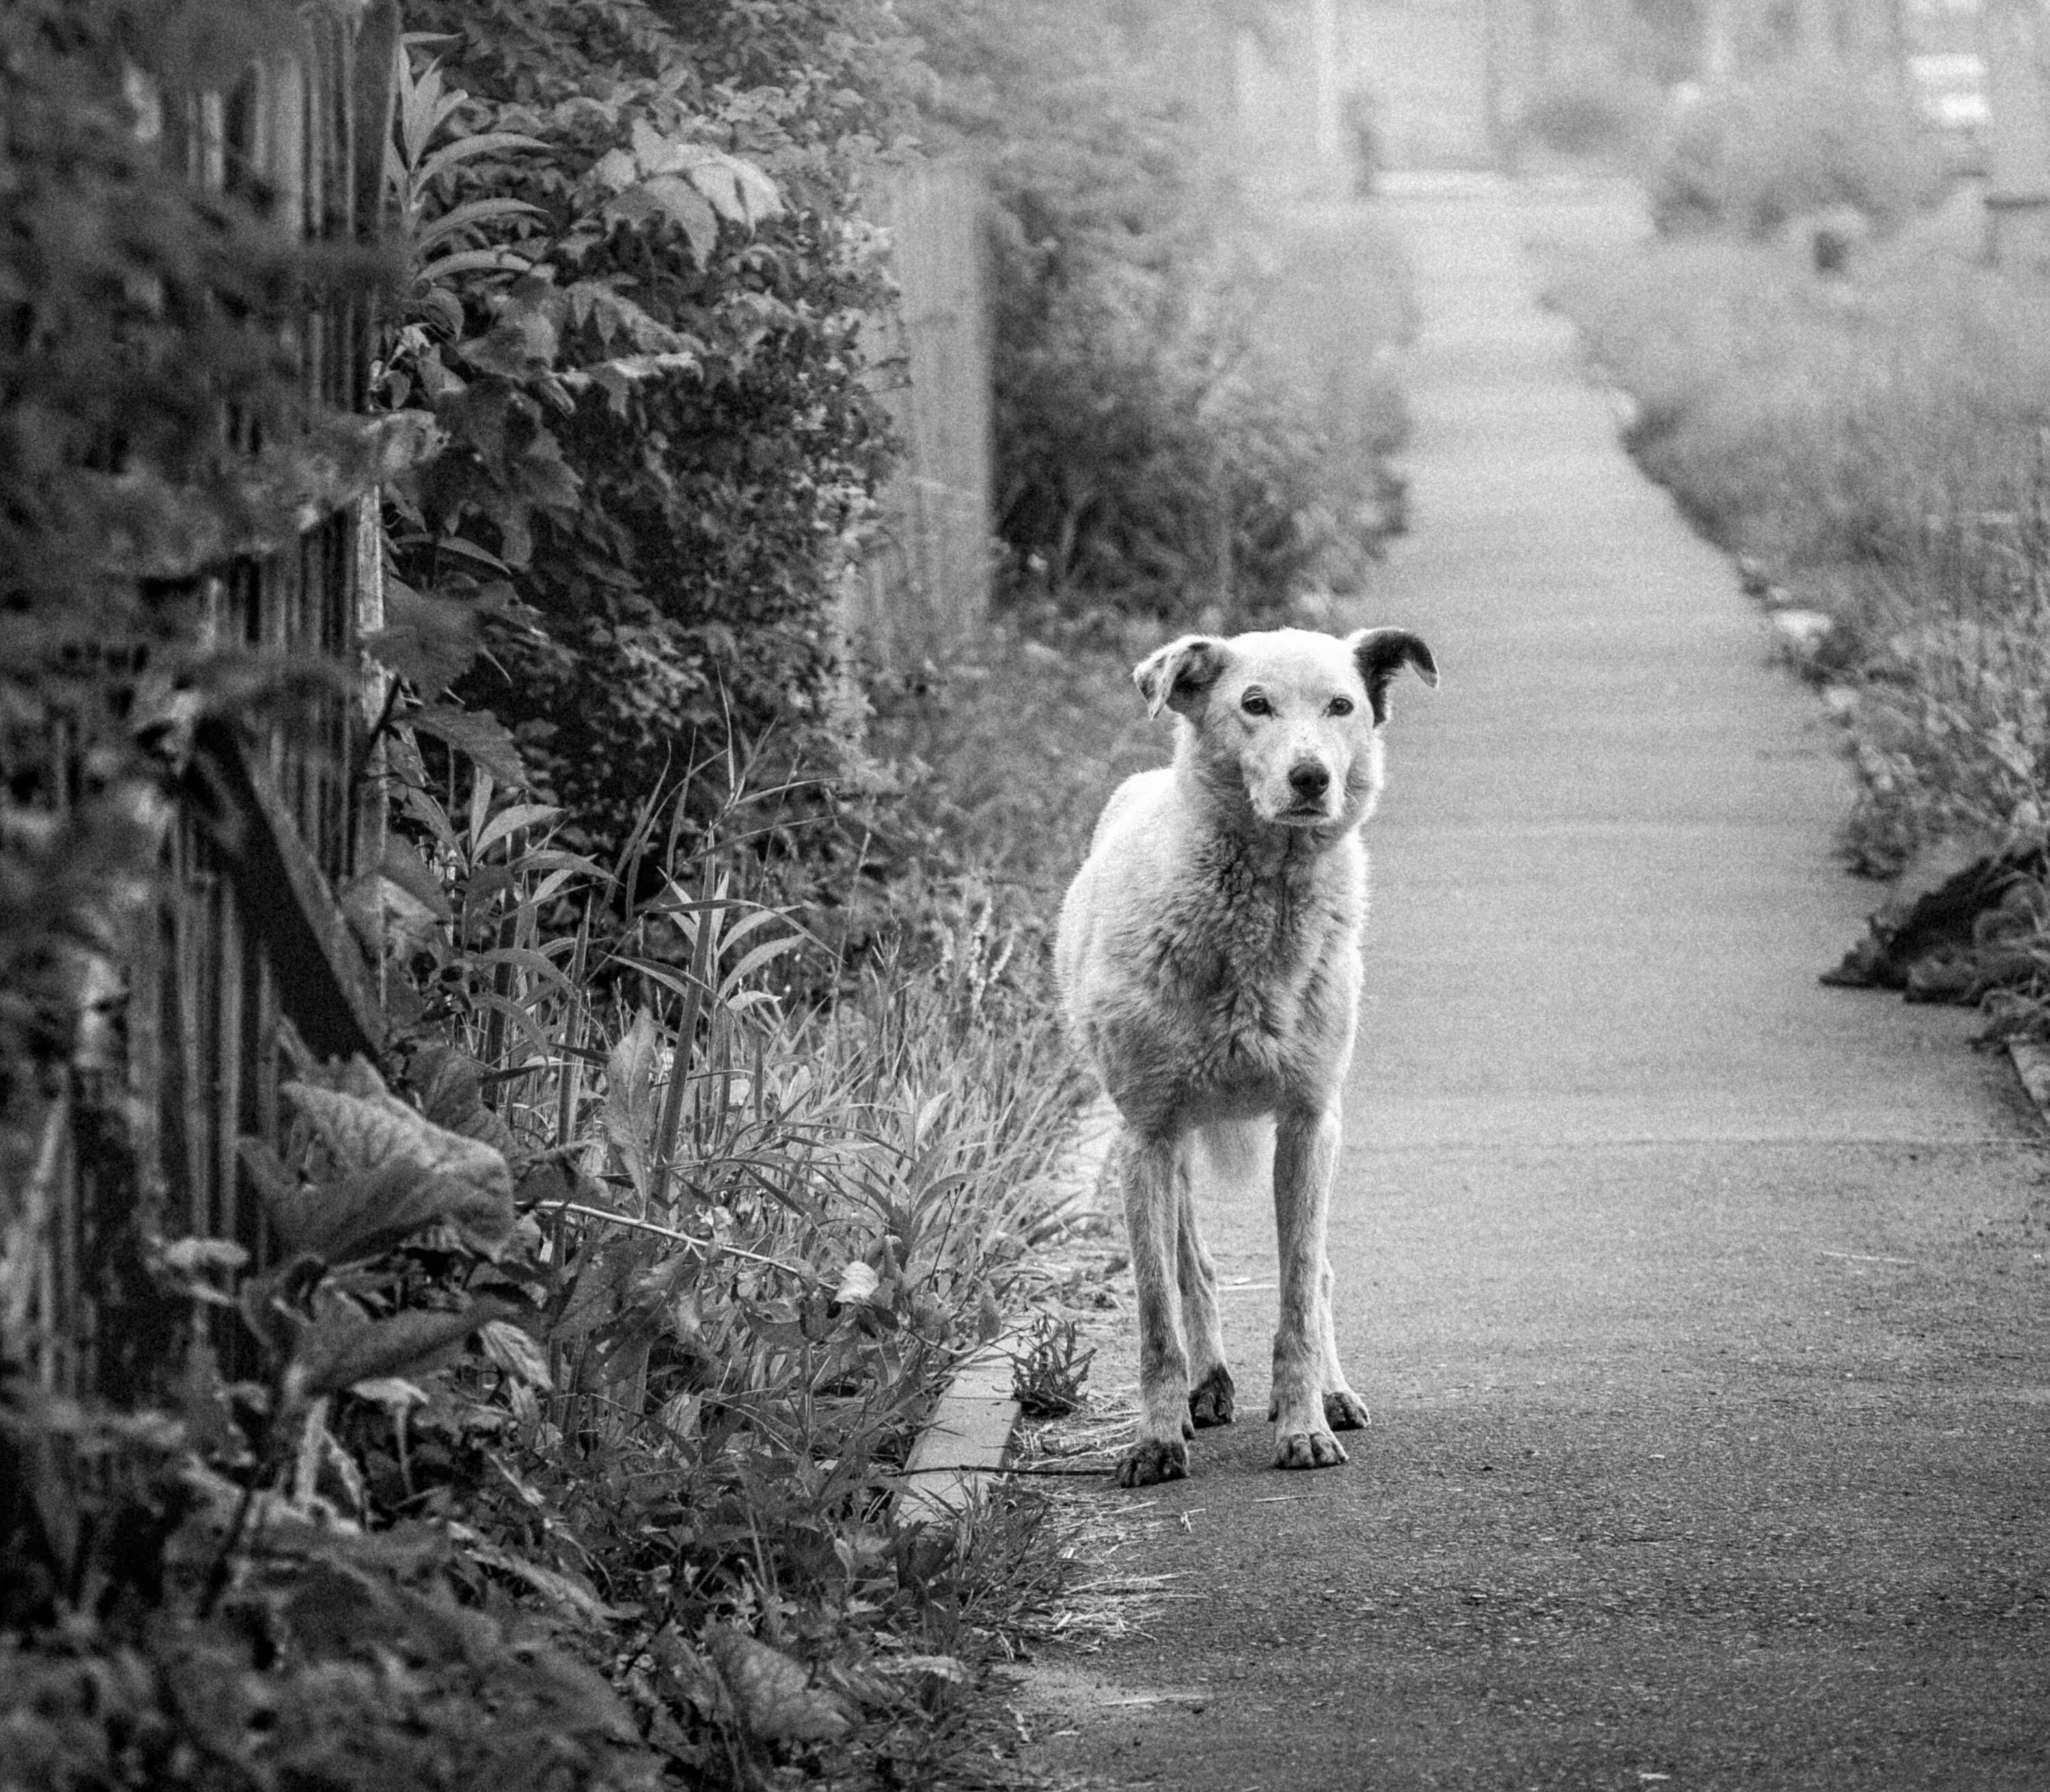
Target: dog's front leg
[(1305, 1155), (1152, 1172)]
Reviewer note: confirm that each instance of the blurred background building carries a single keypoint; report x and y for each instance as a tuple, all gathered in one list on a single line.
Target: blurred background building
[(1319, 93)]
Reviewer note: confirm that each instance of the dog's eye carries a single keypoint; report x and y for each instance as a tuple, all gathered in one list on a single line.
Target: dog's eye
[(1340, 706), (1253, 704)]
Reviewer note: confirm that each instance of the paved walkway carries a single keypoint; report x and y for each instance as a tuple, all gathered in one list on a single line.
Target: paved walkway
[(1699, 1304)]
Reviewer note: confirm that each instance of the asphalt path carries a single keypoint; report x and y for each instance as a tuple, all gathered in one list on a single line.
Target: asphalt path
[(1700, 1306)]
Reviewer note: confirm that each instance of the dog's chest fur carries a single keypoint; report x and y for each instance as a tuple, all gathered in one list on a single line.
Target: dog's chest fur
[(1249, 959)]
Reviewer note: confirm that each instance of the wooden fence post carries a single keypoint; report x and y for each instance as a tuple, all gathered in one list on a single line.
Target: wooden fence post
[(241, 957), (925, 587)]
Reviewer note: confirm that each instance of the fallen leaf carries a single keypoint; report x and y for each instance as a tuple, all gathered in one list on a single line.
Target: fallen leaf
[(773, 1696)]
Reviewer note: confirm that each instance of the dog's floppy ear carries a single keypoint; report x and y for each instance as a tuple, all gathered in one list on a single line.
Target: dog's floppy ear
[(1380, 653), (1175, 675)]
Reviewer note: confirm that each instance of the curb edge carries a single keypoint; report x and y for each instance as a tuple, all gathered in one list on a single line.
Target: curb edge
[(2031, 1059), (967, 1435)]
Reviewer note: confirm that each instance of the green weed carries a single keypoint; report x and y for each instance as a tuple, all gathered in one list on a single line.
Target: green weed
[(1048, 1376)]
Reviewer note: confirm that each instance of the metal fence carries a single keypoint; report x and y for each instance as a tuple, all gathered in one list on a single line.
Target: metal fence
[(245, 964)]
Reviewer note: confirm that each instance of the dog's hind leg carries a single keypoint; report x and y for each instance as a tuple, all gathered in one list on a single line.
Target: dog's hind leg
[(1344, 1410), (1305, 1155), (1211, 1390), (1155, 1172)]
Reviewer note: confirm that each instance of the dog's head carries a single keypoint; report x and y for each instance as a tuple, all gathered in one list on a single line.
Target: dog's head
[(1287, 723)]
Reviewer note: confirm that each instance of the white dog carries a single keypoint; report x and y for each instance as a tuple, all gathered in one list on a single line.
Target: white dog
[(1208, 958)]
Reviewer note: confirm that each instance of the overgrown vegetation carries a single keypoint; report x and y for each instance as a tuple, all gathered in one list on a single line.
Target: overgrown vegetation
[(554, 1445), (712, 1260), (1151, 449), (1873, 440)]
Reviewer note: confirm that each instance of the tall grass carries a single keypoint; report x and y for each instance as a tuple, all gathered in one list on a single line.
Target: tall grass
[(1875, 441), (1819, 421), (769, 1231), (595, 1342), (699, 1131)]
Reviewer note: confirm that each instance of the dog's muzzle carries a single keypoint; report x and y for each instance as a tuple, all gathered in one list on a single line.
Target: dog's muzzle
[(1309, 784)]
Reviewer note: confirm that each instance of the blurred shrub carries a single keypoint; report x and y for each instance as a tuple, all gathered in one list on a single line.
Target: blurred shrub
[(1157, 452), (1877, 443), (1749, 156), (1150, 450), (1810, 421), (1592, 111)]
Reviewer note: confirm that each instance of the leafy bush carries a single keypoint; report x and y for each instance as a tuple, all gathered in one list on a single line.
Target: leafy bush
[(1750, 156), (649, 376), (1149, 451), (594, 1338)]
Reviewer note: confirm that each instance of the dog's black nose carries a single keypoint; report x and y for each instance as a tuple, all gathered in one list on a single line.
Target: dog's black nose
[(1309, 779)]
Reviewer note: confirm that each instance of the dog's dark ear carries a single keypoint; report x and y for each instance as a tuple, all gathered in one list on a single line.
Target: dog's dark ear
[(1175, 677), (1380, 653)]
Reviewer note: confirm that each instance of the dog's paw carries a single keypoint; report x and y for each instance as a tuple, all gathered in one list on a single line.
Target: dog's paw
[(1211, 1400), (1345, 1412), (1307, 1449), (1153, 1459)]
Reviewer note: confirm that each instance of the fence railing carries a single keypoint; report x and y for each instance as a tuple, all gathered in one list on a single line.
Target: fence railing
[(244, 966)]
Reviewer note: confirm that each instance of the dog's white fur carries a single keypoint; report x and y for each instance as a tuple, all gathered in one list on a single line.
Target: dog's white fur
[(1210, 962)]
